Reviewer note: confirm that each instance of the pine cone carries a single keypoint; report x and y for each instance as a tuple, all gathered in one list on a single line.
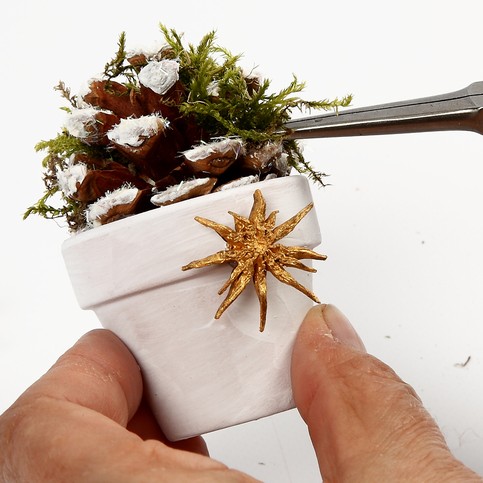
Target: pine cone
[(149, 143), (160, 128)]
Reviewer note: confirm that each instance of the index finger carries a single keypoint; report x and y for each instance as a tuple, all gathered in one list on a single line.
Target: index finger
[(99, 373)]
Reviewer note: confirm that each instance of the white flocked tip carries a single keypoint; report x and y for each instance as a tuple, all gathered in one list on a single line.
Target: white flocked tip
[(85, 89), (102, 206), (236, 183), (68, 178), (221, 147), (183, 191), (134, 131), (159, 76), (148, 50), (78, 119)]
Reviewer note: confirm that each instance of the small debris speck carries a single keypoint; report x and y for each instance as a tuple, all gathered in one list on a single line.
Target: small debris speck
[(463, 364)]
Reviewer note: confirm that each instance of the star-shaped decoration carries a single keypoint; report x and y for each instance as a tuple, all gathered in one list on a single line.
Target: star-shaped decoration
[(252, 246)]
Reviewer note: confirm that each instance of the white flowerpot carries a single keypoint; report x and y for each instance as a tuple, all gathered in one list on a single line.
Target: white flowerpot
[(200, 374)]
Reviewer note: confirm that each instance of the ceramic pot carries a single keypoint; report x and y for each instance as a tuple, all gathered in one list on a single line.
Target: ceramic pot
[(200, 374)]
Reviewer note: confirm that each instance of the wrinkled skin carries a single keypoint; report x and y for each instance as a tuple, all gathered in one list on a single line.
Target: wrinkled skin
[(85, 421)]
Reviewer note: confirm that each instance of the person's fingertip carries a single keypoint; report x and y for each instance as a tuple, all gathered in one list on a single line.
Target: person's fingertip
[(340, 327), (362, 418), (105, 338), (328, 321), (98, 372)]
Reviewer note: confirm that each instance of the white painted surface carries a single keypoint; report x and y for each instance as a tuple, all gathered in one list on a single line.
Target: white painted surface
[(401, 223), (201, 374)]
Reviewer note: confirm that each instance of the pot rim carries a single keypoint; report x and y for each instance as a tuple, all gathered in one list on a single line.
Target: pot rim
[(144, 250)]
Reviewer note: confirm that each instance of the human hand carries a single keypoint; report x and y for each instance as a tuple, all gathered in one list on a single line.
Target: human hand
[(84, 421), (365, 423)]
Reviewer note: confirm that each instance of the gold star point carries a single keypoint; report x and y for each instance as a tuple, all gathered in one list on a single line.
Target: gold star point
[(252, 246)]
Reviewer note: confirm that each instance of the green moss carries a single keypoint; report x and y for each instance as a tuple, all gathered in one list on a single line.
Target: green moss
[(240, 109)]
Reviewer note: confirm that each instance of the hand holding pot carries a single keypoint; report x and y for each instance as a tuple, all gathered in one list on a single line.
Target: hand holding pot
[(85, 419), (366, 424)]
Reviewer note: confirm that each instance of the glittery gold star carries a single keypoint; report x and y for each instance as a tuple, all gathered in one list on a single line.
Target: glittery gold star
[(252, 246)]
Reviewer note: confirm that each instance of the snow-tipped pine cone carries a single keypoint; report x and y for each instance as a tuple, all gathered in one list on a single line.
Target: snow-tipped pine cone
[(158, 128)]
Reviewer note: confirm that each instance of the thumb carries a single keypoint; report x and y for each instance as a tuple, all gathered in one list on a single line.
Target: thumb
[(365, 423)]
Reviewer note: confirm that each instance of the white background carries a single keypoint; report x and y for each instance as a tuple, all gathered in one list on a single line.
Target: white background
[(401, 223)]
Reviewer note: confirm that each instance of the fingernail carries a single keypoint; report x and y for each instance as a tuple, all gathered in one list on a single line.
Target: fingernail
[(340, 327)]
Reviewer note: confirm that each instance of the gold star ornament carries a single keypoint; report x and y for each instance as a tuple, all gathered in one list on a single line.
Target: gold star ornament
[(252, 247)]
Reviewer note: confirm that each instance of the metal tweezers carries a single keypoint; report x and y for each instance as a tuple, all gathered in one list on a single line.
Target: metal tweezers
[(460, 110)]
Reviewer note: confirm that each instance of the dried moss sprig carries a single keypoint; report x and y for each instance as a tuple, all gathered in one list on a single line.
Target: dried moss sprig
[(118, 66), (199, 64), (66, 94), (59, 150), (300, 164)]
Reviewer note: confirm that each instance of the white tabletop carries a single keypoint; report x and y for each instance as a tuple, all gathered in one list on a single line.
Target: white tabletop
[(401, 223)]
